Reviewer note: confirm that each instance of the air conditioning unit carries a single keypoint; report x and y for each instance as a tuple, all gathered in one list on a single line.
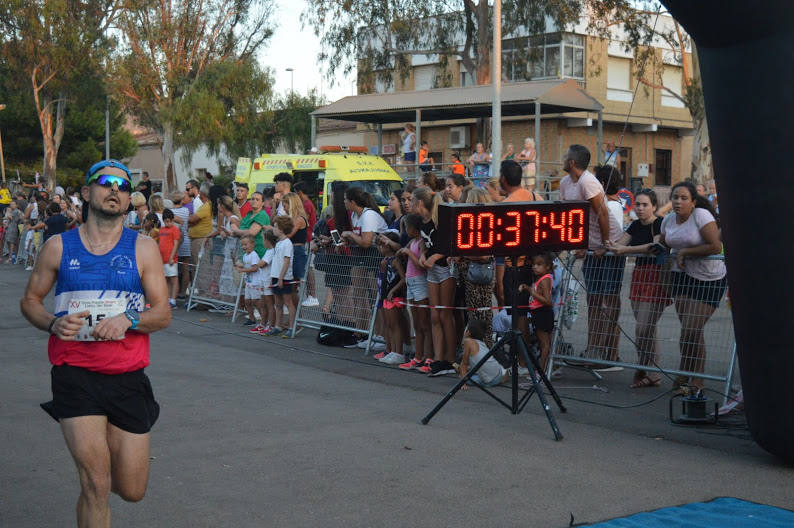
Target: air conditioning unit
[(459, 137)]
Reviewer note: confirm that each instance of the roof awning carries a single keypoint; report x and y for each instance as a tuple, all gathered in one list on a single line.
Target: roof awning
[(555, 97)]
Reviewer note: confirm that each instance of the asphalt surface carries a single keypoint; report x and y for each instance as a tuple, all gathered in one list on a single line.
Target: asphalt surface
[(259, 431)]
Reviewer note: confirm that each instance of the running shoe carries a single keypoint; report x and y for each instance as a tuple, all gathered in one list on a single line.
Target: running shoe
[(378, 343), (256, 329), (427, 368), (440, 368), (393, 358), (413, 364), (29, 268), (275, 331), (311, 300), (289, 334), (380, 355), (265, 329), (171, 303), (357, 344)]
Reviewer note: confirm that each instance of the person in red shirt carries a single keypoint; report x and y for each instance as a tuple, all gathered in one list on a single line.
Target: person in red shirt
[(425, 163), (170, 237), (457, 166), (241, 197)]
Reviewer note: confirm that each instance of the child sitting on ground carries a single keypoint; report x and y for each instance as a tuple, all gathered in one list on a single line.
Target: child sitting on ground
[(254, 282), (491, 373)]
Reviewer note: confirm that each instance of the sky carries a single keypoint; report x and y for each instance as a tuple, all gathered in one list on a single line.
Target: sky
[(293, 47)]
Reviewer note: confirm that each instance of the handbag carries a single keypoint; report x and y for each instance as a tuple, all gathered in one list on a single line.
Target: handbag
[(480, 272)]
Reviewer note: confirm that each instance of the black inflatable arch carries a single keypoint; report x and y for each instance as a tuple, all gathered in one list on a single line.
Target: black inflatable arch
[(746, 52)]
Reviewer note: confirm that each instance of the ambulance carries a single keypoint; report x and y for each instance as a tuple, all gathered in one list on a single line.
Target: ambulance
[(319, 171)]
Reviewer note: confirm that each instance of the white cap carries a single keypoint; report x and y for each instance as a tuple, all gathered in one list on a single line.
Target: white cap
[(59, 191)]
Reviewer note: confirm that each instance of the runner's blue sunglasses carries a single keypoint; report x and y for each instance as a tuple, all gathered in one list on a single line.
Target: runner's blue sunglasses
[(107, 180)]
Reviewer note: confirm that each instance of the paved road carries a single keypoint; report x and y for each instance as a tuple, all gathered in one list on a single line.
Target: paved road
[(257, 432)]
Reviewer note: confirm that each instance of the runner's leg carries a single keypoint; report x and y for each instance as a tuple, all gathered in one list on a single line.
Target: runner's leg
[(87, 440), (129, 463)]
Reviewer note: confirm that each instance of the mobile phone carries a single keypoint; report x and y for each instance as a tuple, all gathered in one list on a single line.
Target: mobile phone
[(658, 248), (336, 237)]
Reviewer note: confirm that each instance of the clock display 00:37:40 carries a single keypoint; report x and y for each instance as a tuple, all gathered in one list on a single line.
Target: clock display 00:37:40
[(504, 229)]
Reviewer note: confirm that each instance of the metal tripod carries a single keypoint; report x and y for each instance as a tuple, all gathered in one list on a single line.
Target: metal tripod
[(515, 340)]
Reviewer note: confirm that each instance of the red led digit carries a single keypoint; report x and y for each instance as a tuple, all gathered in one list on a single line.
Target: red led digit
[(515, 228), (470, 242), (579, 213), (559, 227), (537, 224), (490, 233)]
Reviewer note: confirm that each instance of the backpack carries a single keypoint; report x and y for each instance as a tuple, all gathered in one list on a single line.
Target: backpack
[(332, 336)]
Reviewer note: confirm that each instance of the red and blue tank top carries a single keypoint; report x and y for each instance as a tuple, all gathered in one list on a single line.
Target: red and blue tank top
[(83, 275)]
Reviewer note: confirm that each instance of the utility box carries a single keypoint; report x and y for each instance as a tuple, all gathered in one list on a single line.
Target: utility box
[(459, 137), (642, 170)]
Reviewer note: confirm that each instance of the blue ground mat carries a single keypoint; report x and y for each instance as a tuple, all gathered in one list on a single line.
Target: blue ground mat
[(728, 512)]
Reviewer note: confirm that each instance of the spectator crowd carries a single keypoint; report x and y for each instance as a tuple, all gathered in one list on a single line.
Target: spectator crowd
[(434, 305)]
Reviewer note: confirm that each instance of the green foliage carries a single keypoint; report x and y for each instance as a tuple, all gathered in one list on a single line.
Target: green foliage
[(83, 142), (228, 109), (378, 36), (293, 120)]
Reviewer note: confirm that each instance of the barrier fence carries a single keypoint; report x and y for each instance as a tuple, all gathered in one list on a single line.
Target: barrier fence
[(631, 311), (637, 312), (344, 280), (215, 281)]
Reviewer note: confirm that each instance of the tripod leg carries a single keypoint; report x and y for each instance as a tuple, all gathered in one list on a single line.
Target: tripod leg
[(531, 356), (533, 375), (473, 370)]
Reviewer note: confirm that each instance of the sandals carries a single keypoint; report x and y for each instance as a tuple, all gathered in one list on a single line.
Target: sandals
[(645, 382)]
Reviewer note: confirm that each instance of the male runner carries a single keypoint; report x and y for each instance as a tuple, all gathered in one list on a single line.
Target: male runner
[(104, 276)]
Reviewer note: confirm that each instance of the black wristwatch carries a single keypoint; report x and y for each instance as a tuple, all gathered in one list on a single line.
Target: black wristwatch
[(134, 318)]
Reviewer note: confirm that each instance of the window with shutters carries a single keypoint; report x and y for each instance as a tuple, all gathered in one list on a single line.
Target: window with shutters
[(619, 79)]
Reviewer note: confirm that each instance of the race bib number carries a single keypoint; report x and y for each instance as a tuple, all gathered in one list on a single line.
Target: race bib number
[(100, 309)]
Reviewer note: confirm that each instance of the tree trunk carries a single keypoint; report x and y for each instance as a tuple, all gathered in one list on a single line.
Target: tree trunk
[(50, 162), (701, 145), (701, 152), (483, 42), (52, 138), (167, 149)]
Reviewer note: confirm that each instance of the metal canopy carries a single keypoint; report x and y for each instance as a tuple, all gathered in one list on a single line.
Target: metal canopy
[(554, 96)]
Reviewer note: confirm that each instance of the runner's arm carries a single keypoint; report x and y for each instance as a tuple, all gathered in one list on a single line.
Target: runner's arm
[(39, 285)]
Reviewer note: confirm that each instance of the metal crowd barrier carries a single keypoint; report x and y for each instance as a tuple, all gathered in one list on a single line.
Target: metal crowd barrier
[(215, 282), (345, 283), (638, 319)]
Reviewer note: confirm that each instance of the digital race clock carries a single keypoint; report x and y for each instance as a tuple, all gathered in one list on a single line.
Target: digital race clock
[(514, 228)]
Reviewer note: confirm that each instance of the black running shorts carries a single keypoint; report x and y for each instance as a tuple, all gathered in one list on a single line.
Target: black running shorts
[(126, 399)]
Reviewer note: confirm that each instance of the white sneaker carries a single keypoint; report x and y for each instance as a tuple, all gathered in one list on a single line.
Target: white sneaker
[(393, 358), (377, 347), (29, 268), (311, 300)]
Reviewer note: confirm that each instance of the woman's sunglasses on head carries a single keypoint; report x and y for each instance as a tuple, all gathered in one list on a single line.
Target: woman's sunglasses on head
[(108, 180)]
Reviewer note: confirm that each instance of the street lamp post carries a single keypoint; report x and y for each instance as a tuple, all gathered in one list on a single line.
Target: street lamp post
[(291, 80), (2, 160)]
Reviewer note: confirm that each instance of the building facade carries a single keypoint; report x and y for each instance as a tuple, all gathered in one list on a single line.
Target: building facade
[(652, 127)]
